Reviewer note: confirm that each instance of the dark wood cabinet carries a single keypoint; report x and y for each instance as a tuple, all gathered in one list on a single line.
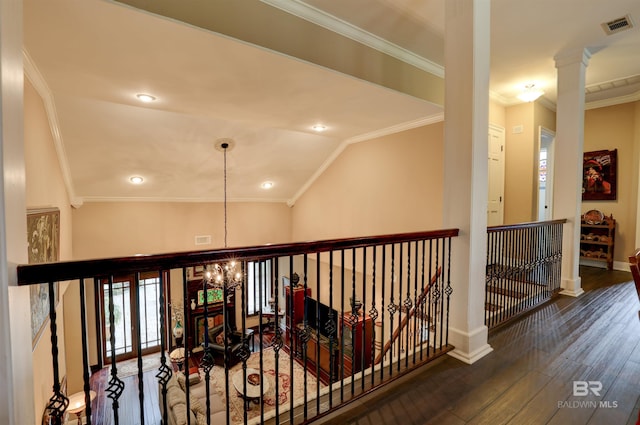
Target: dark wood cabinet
[(357, 336), (294, 314)]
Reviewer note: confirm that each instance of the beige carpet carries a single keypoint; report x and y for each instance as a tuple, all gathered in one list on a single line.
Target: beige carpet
[(236, 404)]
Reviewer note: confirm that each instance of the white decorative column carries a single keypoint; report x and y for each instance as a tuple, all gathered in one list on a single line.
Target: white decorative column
[(569, 146), (467, 45), (16, 366)]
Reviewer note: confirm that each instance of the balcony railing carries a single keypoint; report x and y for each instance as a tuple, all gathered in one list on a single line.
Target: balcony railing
[(318, 325), (523, 268)]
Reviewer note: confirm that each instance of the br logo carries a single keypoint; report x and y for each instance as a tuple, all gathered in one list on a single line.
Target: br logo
[(583, 388)]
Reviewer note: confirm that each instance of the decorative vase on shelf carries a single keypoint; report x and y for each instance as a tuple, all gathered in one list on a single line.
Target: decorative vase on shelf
[(193, 303), (178, 331)]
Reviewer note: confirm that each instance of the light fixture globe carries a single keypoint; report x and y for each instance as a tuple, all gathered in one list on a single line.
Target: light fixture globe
[(530, 93)]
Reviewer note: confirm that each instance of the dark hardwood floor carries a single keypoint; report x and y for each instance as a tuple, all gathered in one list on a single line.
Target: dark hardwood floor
[(529, 377)]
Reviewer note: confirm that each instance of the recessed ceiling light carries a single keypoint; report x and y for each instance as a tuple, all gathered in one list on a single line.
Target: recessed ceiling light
[(319, 127), (145, 97), (136, 180), (267, 185)]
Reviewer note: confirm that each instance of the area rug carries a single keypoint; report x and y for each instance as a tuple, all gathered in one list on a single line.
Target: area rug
[(288, 388), (130, 367)]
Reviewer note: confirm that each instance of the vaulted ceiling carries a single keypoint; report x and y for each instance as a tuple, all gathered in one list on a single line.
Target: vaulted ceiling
[(262, 73)]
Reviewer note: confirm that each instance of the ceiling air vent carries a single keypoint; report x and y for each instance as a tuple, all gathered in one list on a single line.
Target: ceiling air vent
[(618, 25)]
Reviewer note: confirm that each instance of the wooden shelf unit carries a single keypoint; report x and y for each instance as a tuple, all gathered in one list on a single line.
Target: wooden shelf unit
[(597, 241)]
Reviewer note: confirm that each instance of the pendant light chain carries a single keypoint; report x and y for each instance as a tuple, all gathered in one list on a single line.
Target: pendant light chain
[(225, 146)]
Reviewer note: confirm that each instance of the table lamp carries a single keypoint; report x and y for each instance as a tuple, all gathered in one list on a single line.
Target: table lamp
[(77, 404)]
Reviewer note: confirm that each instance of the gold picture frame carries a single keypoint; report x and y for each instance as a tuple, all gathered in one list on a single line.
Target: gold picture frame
[(43, 236)]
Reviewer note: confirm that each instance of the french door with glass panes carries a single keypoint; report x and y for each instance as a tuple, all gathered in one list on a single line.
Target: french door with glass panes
[(130, 299)]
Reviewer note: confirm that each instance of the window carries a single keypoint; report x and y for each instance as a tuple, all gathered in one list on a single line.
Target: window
[(259, 286)]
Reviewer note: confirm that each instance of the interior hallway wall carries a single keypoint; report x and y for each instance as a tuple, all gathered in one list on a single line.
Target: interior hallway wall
[(391, 184)]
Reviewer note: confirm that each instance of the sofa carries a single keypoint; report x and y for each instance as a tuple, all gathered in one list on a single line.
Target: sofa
[(177, 404)]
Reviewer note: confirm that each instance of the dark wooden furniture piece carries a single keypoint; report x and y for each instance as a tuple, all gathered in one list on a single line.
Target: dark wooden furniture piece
[(294, 313), (597, 240), (634, 263), (358, 341)]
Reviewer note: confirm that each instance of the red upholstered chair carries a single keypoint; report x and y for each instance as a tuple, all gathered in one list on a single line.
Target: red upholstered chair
[(634, 262)]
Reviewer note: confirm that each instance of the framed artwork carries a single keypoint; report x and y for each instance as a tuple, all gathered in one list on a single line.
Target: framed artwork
[(199, 327), (43, 235), (599, 175), (195, 272)]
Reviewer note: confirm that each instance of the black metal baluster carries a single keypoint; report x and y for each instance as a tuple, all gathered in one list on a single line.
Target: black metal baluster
[(382, 304), (318, 326), (136, 297), (342, 325), (244, 353), (331, 330), (407, 306), (116, 386), (448, 291), (295, 337), (353, 320), (306, 333), (400, 306), (392, 307), (428, 301), (373, 314), (363, 325), (85, 358), (415, 304), (58, 402), (164, 371), (277, 342)]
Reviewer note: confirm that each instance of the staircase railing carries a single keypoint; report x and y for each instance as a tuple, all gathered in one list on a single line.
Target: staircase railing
[(523, 268), (361, 312)]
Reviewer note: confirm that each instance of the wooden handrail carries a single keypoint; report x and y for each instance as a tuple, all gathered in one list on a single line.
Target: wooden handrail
[(502, 227), (70, 270), (408, 316)]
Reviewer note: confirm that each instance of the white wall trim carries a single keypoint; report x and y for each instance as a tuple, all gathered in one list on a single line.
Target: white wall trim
[(362, 138), (465, 341), (617, 265), (35, 77), (330, 22)]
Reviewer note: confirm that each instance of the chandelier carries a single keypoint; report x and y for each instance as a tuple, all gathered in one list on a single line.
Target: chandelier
[(227, 275)]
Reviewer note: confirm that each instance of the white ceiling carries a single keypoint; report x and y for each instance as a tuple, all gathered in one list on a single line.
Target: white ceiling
[(89, 58)]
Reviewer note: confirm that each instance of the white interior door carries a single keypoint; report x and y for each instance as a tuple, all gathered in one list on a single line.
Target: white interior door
[(545, 174), (495, 204)]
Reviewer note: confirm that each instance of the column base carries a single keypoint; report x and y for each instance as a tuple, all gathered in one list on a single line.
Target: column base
[(572, 287), (470, 346)]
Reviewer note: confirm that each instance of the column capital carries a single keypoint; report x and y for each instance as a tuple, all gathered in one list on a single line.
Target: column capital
[(570, 57)]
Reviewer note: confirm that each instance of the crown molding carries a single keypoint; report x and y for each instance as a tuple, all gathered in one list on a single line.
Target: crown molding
[(37, 80), (634, 97), (97, 199), (330, 22), (363, 138)]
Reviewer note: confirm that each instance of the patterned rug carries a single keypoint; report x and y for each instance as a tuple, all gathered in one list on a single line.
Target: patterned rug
[(236, 403), (130, 367)]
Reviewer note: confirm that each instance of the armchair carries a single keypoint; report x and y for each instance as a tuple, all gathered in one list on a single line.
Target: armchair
[(216, 337)]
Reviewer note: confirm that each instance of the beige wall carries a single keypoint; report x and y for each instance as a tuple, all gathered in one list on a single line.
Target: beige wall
[(614, 128), (386, 185), (497, 114), (519, 164), (521, 159), (45, 189), (114, 229)]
